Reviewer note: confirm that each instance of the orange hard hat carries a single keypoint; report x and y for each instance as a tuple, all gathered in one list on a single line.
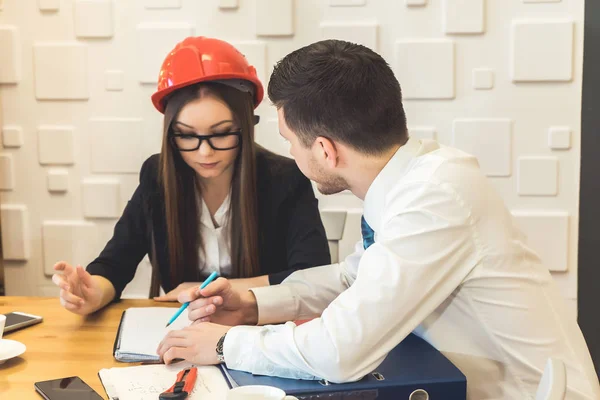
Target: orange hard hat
[(203, 59)]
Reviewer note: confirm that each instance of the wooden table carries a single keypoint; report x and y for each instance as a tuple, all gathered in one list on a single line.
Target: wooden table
[(63, 345)]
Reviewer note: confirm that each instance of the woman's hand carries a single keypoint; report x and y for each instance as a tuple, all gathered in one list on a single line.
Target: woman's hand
[(79, 292)]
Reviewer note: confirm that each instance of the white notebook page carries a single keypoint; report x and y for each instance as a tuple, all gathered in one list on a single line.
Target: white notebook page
[(144, 328), (146, 382)]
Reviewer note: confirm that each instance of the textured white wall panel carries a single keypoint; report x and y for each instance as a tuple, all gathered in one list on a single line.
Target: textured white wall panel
[(415, 3), (422, 132), (94, 18), (483, 78), (101, 198), (275, 17), (75, 242), (49, 5), (548, 235), (490, 140), (115, 143), (347, 3), (61, 71), (12, 136), (160, 4), (559, 137), (542, 51), (16, 239), (7, 172), (114, 80), (58, 180), (464, 16), (538, 176), (56, 145), (10, 48), (228, 4), (364, 33), (519, 60), (425, 68)]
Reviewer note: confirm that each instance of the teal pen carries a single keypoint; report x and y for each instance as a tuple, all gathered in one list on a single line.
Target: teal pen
[(185, 305)]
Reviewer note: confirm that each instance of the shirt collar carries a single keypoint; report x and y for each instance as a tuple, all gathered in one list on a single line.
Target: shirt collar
[(220, 216), (397, 166)]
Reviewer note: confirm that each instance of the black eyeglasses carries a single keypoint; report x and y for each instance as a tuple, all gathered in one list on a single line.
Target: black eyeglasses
[(217, 141)]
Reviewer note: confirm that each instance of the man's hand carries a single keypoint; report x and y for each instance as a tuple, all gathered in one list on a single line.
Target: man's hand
[(221, 303), (172, 295), (196, 344)]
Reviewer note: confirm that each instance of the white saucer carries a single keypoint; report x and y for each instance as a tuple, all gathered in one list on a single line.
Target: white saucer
[(10, 348)]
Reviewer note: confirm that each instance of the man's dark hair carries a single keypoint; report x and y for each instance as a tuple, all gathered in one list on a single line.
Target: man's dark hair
[(343, 91)]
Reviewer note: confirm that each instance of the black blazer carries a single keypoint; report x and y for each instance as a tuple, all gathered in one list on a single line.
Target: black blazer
[(291, 234)]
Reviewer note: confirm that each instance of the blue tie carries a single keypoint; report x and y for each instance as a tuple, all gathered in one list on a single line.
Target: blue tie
[(367, 233)]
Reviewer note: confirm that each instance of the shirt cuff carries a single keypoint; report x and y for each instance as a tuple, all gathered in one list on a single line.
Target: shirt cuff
[(275, 304), (239, 346)]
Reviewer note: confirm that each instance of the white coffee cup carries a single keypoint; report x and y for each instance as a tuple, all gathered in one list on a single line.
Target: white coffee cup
[(258, 393), (2, 322)]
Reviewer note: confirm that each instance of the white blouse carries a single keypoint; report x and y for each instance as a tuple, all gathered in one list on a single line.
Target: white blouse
[(216, 255)]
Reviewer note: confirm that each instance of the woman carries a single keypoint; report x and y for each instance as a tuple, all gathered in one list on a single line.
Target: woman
[(212, 200)]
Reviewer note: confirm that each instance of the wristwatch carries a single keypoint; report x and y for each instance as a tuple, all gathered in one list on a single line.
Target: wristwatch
[(219, 349)]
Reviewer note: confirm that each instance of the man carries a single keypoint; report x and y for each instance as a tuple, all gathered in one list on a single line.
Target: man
[(445, 259)]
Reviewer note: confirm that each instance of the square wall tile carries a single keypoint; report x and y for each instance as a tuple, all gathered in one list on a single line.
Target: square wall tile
[(464, 16), (364, 33), (115, 144), (548, 235), (16, 237), (490, 140), (538, 176), (101, 198), (75, 242), (114, 80), (10, 48), (559, 138), (48, 5), (150, 4), (56, 145), (7, 172), (483, 79), (228, 4), (425, 68), (347, 3), (12, 136), (155, 40), (274, 17), (542, 51), (60, 71), (58, 180), (94, 18)]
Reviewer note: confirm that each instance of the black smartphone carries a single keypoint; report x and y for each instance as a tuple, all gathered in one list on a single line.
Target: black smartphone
[(72, 388), (17, 320)]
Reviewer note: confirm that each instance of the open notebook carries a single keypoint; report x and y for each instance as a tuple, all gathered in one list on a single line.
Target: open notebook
[(142, 329), (146, 382)]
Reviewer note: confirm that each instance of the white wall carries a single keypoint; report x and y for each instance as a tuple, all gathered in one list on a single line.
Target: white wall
[(498, 78)]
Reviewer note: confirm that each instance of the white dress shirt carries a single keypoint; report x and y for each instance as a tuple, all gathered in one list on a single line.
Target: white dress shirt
[(216, 255), (449, 264)]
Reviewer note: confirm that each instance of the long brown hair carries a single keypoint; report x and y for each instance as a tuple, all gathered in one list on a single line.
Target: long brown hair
[(181, 191)]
